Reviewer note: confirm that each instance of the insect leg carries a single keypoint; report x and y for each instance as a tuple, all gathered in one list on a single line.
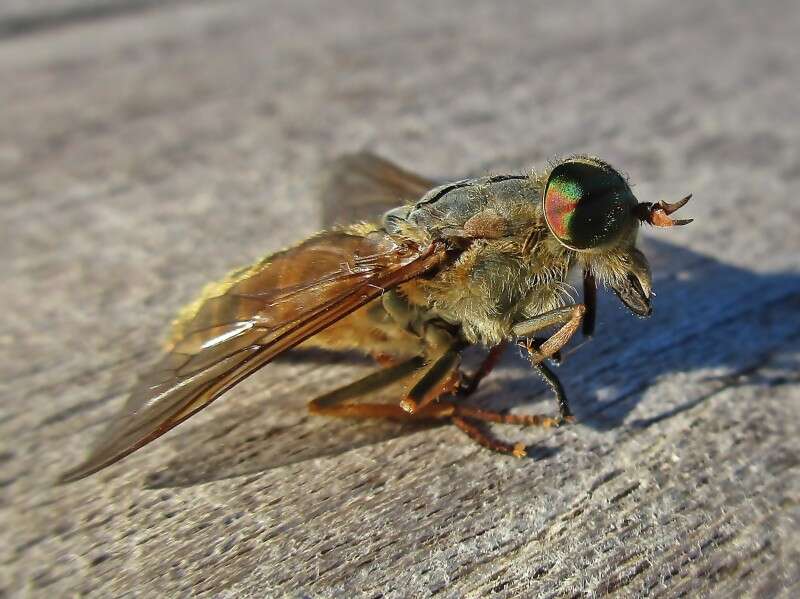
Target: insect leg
[(389, 411), (482, 438), (550, 347), (569, 317), (488, 364), (466, 418), (331, 404), (543, 420), (590, 301), (442, 377), (564, 413), (376, 380)]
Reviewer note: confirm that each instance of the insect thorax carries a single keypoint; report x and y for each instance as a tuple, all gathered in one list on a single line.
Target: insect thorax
[(511, 270)]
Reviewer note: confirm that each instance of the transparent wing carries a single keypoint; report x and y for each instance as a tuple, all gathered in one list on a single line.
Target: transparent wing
[(241, 325), (362, 186)]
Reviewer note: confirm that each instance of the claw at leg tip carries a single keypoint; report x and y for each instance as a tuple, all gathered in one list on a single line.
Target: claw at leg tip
[(409, 405), (519, 450)]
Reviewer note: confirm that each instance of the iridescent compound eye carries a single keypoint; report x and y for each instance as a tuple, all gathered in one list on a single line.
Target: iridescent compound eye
[(587, 203)]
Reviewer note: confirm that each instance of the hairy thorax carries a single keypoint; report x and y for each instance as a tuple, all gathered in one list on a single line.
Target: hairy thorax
[(492, 286)]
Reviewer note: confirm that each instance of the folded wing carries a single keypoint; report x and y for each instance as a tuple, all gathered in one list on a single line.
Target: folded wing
[(244, 322)]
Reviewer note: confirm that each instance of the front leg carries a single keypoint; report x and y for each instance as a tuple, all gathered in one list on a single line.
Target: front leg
[(590, 301), (550, 377), (571, 317)]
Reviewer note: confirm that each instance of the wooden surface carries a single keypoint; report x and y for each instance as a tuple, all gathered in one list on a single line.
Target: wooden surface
[(147, 149)]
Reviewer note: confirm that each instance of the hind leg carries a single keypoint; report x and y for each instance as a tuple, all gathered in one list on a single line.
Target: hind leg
[(465, 418), (330, 402), (438, 379)]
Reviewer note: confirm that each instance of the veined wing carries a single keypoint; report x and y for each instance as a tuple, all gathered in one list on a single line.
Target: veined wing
[(362, 186), (241, 324)]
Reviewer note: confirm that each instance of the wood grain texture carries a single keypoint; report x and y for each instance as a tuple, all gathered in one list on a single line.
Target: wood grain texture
[(144, 152)]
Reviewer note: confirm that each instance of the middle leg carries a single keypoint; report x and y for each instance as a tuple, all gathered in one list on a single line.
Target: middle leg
[(489, 362)]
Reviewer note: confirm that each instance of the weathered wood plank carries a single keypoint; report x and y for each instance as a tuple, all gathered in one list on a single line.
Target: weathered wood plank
[(144, 154)]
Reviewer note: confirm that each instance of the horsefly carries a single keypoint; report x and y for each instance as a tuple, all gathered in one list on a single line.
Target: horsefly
[(479, 261)]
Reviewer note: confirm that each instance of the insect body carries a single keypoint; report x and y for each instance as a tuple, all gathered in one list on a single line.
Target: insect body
[(479, 261)]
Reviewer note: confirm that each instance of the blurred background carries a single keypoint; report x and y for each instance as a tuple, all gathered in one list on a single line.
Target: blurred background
[(148, 147)]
